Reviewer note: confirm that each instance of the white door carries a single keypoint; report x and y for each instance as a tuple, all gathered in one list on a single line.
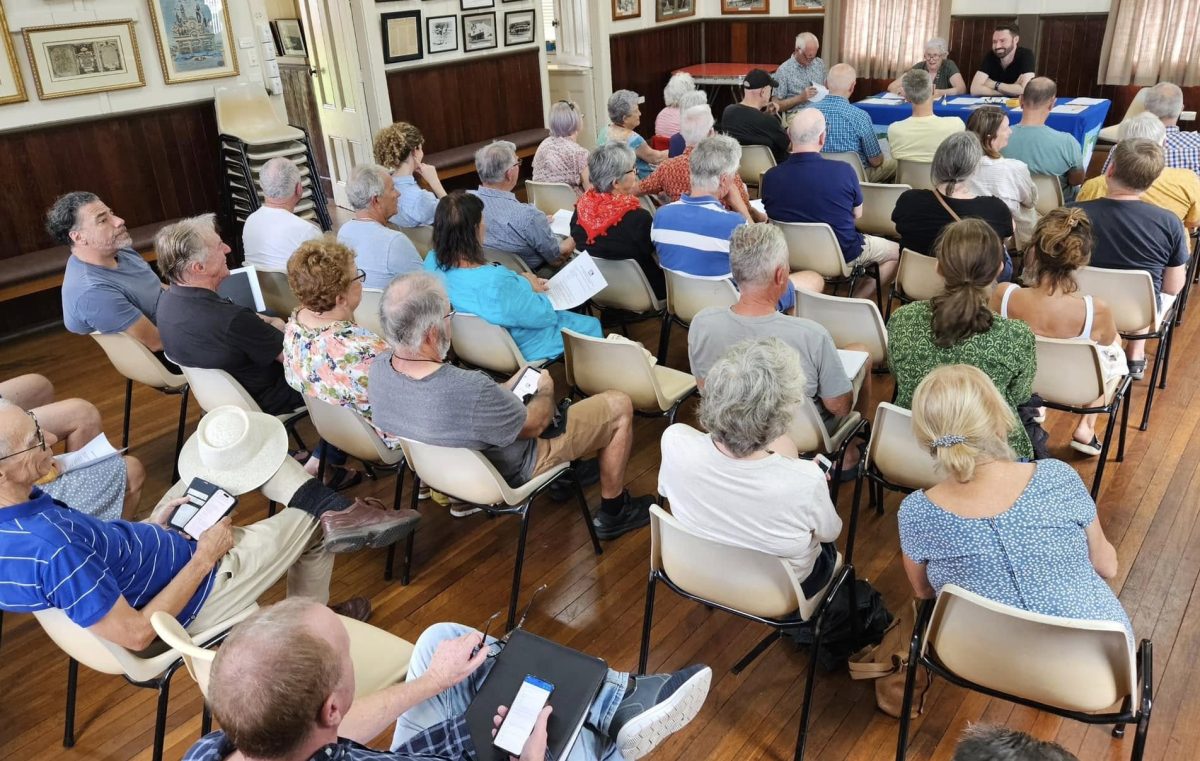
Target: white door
[(570, 30), (338, 88)]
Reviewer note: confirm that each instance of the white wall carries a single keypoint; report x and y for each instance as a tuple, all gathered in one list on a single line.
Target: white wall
[(1023, 7)]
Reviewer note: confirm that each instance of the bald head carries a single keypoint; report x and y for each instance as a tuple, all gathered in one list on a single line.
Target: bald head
[(1165, 100), (807, 131), (1039, 93), (16, 428), (840, 80)]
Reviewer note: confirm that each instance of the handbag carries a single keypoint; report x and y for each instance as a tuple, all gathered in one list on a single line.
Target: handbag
[(887, 664)]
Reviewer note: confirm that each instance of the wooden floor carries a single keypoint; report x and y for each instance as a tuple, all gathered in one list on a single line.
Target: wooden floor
[(1148, 507)]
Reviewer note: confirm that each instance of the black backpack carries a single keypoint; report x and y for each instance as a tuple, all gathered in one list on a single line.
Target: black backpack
[(837, 639)]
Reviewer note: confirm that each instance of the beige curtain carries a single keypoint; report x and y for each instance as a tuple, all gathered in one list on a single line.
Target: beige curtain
[(1149, 41), (881, 38)]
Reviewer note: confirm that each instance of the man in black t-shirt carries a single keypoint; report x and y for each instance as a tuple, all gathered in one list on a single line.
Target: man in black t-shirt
[(1007, 68), (747, 123)]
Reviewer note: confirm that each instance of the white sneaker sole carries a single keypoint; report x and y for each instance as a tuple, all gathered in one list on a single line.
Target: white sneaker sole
[(1086, 449), (644, 732)]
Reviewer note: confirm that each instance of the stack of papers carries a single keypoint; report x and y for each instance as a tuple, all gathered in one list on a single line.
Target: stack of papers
[(890, 96), (575, 283), (966, 101), (852, 361), (560, 223), (93, 452), (1068, 109), (757, 203), (1084, 102), (880, 101)]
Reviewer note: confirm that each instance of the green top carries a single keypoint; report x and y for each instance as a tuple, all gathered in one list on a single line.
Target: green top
[(942, 80), (1007, 353)]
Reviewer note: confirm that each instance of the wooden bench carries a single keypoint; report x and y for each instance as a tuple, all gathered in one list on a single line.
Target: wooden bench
[(455, 162)]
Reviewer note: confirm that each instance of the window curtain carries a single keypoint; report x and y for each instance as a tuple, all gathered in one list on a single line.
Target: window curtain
[(881, 38), (1149, 41)]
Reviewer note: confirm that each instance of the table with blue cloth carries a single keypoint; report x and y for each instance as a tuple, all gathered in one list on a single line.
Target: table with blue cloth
[(1083, 126)]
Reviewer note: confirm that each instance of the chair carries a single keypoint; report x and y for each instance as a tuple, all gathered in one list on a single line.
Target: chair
[(1070, 378), (848, 320), (1131, 297), (628, 292), (1074, 668), (420, 237), (686, 296), (367, 312), (244, 111), (756, 159), (550, 197), (132, 359), (467, 475), (277, 292), (1050, 195), (744, 582), (595, 365), (214, 388), (1111, 134), (848, 157), (915, 174), (813, 246), (507, 259), (917, 279), (481, 344), (809, 434), (151, 668), (879, 201), (647, 204)]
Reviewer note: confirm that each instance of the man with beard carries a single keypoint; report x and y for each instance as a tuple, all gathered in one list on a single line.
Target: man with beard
[(1007, 68)]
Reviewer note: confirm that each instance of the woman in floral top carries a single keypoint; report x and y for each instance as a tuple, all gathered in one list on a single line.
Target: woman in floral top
[(560, 157)]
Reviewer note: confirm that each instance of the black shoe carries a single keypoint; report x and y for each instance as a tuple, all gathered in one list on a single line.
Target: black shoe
[(583, 472), (656, 706), (634, 514)]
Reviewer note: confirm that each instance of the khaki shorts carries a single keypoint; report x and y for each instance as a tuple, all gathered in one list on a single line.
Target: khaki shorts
[(877, 250), (590, 426)]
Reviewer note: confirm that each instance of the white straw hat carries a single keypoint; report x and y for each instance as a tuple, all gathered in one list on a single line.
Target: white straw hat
[(234, 449)]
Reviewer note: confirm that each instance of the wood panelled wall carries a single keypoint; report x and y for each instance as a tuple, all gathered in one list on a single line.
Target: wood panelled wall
[(470, 100)]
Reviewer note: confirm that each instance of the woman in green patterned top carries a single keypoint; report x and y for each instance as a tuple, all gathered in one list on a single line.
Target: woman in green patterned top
[(958, 327)]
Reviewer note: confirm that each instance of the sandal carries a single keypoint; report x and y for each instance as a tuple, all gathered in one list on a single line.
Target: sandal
[(343, 478), (1091, 449)]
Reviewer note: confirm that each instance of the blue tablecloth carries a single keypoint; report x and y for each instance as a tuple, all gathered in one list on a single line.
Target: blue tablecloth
[(1083, 126)]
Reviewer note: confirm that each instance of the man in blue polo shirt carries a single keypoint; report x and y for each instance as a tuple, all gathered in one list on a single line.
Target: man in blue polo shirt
[(809, 188)]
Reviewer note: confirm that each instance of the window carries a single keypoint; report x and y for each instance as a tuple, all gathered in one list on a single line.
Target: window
[(883, 37)]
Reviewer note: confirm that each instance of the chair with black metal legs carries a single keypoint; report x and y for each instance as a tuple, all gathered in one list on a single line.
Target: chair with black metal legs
[(917, 279), (686, 296), (809, 434)]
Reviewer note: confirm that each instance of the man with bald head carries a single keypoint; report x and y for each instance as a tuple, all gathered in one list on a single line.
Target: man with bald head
[(810, 188), (849, 129), (1043, 149)]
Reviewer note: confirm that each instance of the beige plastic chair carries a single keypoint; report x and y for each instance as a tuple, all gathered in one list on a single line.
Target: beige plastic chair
[(467, 475), (756, 159), (214, 388), (420, 237), (848, 320), (1111, 134), (479, 343), (628, 290), (686, 296), (1074, 668), (813, 246), (507, 259), (1049, 193), (809, 434), (367, 311), (745, 582), (595, 365), (277, 292), (244, 111), (151, 668), (848, 157), (915, 174), (648, 205), (550, 197), (879, 201), (917, 279)]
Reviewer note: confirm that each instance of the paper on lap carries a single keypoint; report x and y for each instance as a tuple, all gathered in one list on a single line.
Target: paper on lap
[(93, 452), (575, 283), (852, 361), (560, 223), (757, 204)]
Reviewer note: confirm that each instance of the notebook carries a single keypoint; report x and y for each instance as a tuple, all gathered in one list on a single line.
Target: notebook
[(241, 287)]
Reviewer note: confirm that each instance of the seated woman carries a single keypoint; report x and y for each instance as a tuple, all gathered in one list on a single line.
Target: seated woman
[(560, 157), (1051, 306), (1022, 534), (517, 303), (741, 483), (609, 222), (666, 123), (1006, 179), (958, 327), (400, 148), (947, 80), (625, 116)]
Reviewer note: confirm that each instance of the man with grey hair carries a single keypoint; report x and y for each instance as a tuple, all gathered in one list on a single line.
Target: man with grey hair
[(380, 251), (917, 137), (849, 129), (416, 394), (1043, 149), (509, 225), (798, 76), (787, 193), (273, 231), (1182, 149), (747, 121), (992, 742)]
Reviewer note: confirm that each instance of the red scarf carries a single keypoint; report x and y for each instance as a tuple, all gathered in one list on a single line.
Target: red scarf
[(597, 212)]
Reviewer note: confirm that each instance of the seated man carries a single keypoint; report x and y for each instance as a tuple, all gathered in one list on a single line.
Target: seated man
[(917, 137), (298, 643), (1131, 234), (107, 287), (788, 196), (1043, 149), (111, 576), (1165, 100), (748, 123), (415, 394), (850, 129), (798, 76), (510, 225), (1007, 67), (273, 231), (380, 251)]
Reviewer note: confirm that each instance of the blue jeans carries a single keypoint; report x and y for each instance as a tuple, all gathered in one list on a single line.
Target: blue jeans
[(593, 743)]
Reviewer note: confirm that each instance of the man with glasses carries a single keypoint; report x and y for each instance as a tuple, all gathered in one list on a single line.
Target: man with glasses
[(798, 76)]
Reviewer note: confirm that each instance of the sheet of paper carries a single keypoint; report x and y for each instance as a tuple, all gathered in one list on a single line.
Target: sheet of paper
[(1068, 109), (822, 91), (93, 452), (891, 96), (852, 361), (964, 101), (1084, 102), (576, 283), (756, 203), (880, 102), (560, 225)]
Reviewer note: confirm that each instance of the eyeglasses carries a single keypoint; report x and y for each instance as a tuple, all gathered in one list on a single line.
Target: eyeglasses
[(504, 640), (41, 444), (449, 314), (360, 276), (518, 162)]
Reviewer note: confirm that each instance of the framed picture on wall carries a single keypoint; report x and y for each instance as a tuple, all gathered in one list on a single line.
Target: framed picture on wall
[(441, 33), (479, 31), (745, 6), (473, 5), (78, 59), (289, 38), (195, 39), (518, 27), (623, 9), (669, 10), (12, 87), (401, 36), (806, 6)]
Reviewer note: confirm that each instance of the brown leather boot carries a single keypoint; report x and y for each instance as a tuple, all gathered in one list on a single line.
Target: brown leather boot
[(358, 608), (366, 523)]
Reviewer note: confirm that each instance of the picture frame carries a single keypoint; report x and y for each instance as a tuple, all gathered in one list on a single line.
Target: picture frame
[(806, 6), (12, 86), (670, 10), (193, 46), (623, 9), (473, 5), (441, 33), (289, 37), (401, 31), (479, 31), (84, 58), (744, 7), (519, 27)]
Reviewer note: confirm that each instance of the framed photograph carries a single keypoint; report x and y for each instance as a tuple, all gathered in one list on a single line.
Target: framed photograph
[(518, 27), (737, 7), (479, 31), (12, 87), (623, 9), (77, 59), (669, 10), (441, 33), (806, 6), (473, 5), (195, 39), (401, 36), (289, 38)]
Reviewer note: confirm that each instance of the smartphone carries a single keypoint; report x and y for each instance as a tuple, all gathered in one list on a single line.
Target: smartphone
[(527, 384), (522, 715), (207, 503), (822, 462)]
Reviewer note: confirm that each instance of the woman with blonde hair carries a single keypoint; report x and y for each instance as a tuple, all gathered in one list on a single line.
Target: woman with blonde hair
[(400, 147), (1022, 534)]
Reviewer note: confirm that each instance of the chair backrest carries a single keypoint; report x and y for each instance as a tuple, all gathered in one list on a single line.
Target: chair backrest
[(688, 295), (133, 360), (595, 365), (1137, 105), (462, 473), (894, 450), (813, 246), (507, 259), (420, 237), (277, 292), (1072, 664), (367, 312), (482, 344), (79, 643), (848, 157), (1128, 293), (216, 388), (648, 205), (848, 320), (627, 288), (198, 659), (550, 197), (917, 276), (1050, 195), (756, 159), (915, 174), (808, 431), (345, 429), (879, 201), (1069, 371), (244, 111)]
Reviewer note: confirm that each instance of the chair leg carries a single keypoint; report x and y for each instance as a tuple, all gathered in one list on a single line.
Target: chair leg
[(388, 571), (1108, 433), (1118, 730), (664, 338), (205, 720), (160, 719), (1162, 384), (1125, 422), (758, 650), (69, 714), (647, 624), (852, 531), (587, 518), (520, 561), (179, 431), (910, 683), (128, 409), (810, 681), (410, 542), (1160, 357)]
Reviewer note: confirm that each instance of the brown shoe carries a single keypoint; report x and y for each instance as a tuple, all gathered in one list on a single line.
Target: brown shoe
[(358, 608), (366, 523)]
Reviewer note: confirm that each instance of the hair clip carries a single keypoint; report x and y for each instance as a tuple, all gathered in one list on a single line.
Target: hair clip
[(948, 441)]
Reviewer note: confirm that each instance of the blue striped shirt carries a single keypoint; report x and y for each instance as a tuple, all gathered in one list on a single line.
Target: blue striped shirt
[(55, 557), (848, 128), (416, 205), (692, 236)]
